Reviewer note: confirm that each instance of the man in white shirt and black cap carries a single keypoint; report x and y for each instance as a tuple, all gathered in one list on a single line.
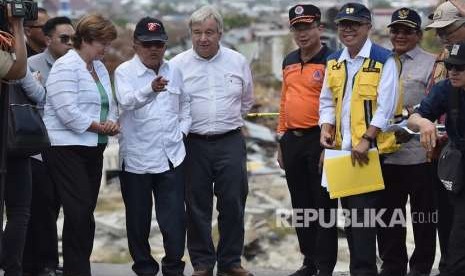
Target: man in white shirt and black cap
[(219, 83), (154, 118)]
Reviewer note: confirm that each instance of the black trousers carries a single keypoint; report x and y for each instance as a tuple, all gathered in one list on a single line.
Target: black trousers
[(301, 155), (361, 240), (455, 258), (17, 203), (216, 167), (168, 191), (402, 182), (77, 172), (41, 248)]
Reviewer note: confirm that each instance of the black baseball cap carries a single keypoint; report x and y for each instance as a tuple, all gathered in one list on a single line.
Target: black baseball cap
[(150, 29), (406, 17), (456, 55), (353, 12), (304, 14)]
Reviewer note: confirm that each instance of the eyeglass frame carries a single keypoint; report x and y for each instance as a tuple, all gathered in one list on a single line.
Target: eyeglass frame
[(149, 44), (444, 34), (35, 26), (354, 25), (65, 39), (456, 67), (411, 31)]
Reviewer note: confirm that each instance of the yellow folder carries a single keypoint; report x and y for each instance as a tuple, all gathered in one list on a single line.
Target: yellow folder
[(343, 179)]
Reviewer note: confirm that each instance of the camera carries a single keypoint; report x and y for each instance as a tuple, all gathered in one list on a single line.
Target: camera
[(20, 8)]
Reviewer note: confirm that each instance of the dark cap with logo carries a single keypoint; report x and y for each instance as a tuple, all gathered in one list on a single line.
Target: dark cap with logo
[(353, 12), (457, 54), (150, 29), (304, 14), (406, 17)]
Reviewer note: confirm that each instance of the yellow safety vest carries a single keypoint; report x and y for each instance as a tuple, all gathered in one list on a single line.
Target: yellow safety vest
[(364, 97)]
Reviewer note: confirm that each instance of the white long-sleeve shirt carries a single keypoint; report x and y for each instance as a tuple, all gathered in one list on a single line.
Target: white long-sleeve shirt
[(220, 89), (152, 124), (386, 101), (33, 89)]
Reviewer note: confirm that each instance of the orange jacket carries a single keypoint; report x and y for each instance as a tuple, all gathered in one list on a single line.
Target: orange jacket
[(301, 87)]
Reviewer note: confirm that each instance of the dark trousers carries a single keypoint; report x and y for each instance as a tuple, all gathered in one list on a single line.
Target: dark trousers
[(17, 203), (301, 155), (445, 215), (221, 161), (77, 172), (455, 260), (402, 182), (41, 248), (167, 189), (361, 240)]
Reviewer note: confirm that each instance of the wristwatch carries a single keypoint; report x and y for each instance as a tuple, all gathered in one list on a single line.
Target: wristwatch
[(368, 138)]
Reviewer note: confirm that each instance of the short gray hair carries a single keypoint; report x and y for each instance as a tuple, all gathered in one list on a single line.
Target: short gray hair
[(205, 13)]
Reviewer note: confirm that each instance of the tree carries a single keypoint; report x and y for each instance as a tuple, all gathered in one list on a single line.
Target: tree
[(232, 21)]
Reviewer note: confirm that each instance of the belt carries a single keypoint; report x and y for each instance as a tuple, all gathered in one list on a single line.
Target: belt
[(299, 132), (213, 137)]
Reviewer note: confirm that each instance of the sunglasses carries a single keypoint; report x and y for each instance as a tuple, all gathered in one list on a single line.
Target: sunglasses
[(65, 39), (446, 31), (36, 26), (456, 67), (150, 44)]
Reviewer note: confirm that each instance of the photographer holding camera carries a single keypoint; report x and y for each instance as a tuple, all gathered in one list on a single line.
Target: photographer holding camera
[(17, 185)]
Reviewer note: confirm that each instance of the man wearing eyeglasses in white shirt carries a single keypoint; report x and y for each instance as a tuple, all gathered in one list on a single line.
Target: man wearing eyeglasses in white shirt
[(219, 83), (154, 118)]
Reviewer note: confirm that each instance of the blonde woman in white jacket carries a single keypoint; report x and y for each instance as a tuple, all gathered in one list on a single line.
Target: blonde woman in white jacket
[(80, 114)]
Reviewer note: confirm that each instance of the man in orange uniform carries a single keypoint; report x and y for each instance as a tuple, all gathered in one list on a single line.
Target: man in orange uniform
[(299, 147)]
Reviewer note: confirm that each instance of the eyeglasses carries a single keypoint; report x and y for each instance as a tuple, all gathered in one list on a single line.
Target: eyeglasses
[(396, 31), (65, 39), (349, 25), (150, 44), (36, 26), (446, 31), (456, 67)]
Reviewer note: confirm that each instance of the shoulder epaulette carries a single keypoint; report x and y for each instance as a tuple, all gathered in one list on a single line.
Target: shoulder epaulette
[(379, 53), (334, 55)]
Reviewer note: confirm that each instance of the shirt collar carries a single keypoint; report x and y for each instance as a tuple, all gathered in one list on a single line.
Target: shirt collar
[(412, 53), (364, 52), (141, 68), (220, 50), (318, 57), (48, 57)]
